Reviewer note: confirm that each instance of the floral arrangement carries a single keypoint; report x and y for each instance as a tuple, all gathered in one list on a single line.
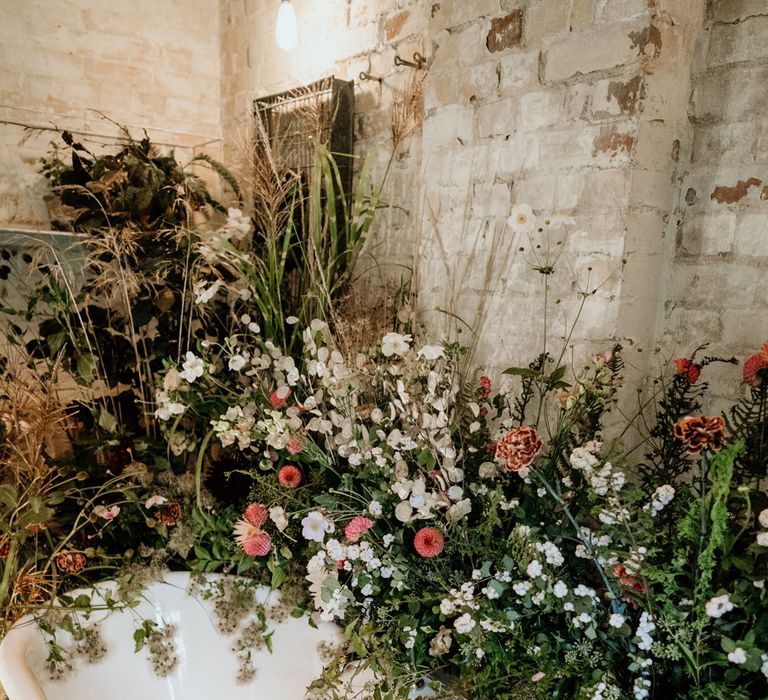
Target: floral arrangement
[(490, 540), (487, 534)]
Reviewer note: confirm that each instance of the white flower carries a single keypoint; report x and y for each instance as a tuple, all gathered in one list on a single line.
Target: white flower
[(762, 539), (374, 508), (534, 569), (521, 588), (764, 667), (278, 517), (203, 295), (560, 589), (403, 511), (395, 344), (464, 624), (315, 526), (292, 320), (616, 620), (236, 363), (738, 656), (718, 606), (238, 226), (193, 368), (171, 379), (447, 606), (431, 352), (763, 518), (521, 220), (155, 500)]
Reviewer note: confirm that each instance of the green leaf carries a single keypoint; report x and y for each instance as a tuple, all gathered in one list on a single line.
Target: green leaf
[(86, 367)]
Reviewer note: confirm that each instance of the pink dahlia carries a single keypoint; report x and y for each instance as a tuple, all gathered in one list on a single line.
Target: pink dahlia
[(755, 367), (429, 542), (256, 514), (689, 368), (289, 475), (357, 527)]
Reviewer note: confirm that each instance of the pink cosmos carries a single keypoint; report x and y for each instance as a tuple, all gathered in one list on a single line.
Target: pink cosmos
[(106, 513), (357, 527), (536, 677), (155, 500)]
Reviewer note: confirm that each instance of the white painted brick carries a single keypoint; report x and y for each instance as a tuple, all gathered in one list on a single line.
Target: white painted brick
[(752, 234)]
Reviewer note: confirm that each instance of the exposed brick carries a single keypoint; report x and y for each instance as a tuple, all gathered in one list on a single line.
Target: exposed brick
[(505, 32), (394, 25), (725, 194), (612, 140)]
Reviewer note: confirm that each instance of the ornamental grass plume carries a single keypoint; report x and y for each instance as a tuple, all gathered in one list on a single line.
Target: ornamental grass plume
[(700, 433)]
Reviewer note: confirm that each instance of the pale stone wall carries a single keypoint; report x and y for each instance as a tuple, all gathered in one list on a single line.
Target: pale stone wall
[(716, 285), (643, 120), (144, 63)]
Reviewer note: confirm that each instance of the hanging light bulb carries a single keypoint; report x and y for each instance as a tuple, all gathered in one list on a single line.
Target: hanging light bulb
[(286, 31)]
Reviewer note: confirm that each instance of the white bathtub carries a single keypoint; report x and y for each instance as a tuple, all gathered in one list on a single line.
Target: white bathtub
[(207, 668)]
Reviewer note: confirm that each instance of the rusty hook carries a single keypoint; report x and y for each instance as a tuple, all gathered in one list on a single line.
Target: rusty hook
[(417, 63), (367, 76)]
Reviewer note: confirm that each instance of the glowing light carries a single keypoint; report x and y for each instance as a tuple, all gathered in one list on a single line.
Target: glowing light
[(286, 29)]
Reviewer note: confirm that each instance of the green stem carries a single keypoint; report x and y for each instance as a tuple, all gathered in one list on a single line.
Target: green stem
[(199, 468)]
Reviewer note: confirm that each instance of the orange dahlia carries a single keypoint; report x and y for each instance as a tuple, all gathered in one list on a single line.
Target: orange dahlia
[(700, 433), (518, 448)]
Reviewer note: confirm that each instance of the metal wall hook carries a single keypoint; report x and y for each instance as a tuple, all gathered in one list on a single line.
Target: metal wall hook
[(367, 76), (417, 63)]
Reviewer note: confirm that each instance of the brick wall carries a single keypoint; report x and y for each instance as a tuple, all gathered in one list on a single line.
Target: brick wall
[(715, 289), (146, 63), (643, 120)]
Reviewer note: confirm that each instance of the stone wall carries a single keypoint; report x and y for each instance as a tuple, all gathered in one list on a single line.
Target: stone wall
[(639, 120), (715, 288), (146, 63)]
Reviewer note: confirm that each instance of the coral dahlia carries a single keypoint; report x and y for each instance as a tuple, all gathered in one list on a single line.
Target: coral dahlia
[(289, 475), (429, 542), (689, 368)]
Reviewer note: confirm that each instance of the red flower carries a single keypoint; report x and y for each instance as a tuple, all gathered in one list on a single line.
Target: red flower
[(485, 387), (755, 367), (5, 547), (429, 542), (700, 433), (518, 448), (357, 527), (279, 398), (626, 579), (256, 514), (289, 476), (685, 366)]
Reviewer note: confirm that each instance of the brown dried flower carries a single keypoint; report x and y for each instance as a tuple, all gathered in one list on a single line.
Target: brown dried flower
[(71, 562), (168, 514)]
